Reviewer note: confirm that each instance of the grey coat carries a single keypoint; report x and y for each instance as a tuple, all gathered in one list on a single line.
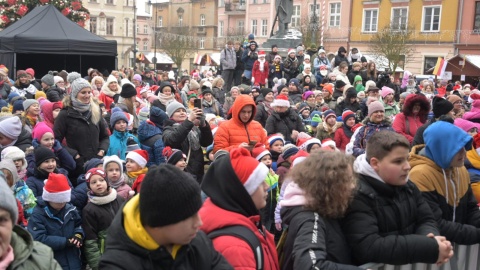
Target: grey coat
[(228, 59)]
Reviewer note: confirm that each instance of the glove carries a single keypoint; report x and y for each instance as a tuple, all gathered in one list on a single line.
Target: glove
[(57, 146), (75, 241)]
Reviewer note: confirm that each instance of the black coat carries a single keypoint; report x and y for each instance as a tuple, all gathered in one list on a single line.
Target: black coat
[(54, 94), (5, 91), (122, 253), (262, 115), (176, 136), (342, 106), (388, 224), (80, 134), (310, 233), (284, 125)]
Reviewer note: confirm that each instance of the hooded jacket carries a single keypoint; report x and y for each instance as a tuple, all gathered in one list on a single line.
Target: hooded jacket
[(230, 204), (346, 105), (123, 252), (447, 190), (150, 137), (105, 93), (118, 143), (29, 254), (472, 163), (284, 124), (406, 123), (248, 60), (389, 224), (234, 132), (313, 241), (366, 132)]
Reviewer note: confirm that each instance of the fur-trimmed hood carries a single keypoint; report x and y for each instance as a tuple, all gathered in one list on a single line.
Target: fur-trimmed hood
[(424, 106)]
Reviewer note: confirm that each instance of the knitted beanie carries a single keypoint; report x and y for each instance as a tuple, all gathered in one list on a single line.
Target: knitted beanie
[(139, 156), (40, 129), (30, 71), (249, 171), (173, 156), (386, 91), (329, 113), (339, 84), (57, 79), (137, 77), (172, 107), (375, 106), (289, 150), (48, 79), (143, 114), (7, 199), (92, 172), (14, 153), (265, 91), (328, 87), (11, 96), (43, 153), (275, 137), (465, 125), (29, 102), (56, 189), (259, 151), (92, 163), (158, 116), (347, 114), (110, 159), (11, 127), (194, 85), (174, 193), (307, 94), (117, 115), (77, 85), (280, 101), (39, 95), (441, 106), (128, 91)]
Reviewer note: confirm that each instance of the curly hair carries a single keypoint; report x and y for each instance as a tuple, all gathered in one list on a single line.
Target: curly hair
[(327, 179)]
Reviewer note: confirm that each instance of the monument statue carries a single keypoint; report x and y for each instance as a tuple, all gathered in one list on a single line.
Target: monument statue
[(284, 16)]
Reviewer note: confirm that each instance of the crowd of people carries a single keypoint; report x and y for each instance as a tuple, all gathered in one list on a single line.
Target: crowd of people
[(272, 163)]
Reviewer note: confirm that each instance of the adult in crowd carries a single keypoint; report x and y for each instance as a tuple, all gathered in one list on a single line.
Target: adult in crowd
[(241, 130), (5, 88), (55, 92), (210, 104), (240, 66), (340, 57), (321, 65), (219, 90), (18, 250), (284, 120), (272, 54), (229, 100), (249, 56), (371, 73), (188, 133), (414, 115), (23, 87), (264, 106), (349, 103), (228, 60), (31, 77), (442, 109), (81, 124), (110, 92), (290, 65), (126, 102), (294, 91), (374, 122)]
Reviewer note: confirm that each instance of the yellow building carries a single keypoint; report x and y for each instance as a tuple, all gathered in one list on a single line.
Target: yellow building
[(433, 22)]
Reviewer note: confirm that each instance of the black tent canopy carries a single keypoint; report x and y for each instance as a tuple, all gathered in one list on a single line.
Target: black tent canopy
[(47, 40)]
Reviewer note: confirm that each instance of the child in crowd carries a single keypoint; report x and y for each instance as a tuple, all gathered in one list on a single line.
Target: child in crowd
[(329, 126), (175, 157), (276, 143), (136, 165), (18, 157), (13, 133), (304, 113), (98, 214), (120, 135), (261, 154), (56, 223), (309, 144), (389, 221), (45, 163), (285, 161), (113, 167)]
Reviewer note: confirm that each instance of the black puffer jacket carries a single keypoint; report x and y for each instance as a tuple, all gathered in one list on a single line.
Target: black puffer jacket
[(176, 136), (389, 224), (122, 253), (284, 124), (80, 134), (54, 94), (310, 233), (4, 91)]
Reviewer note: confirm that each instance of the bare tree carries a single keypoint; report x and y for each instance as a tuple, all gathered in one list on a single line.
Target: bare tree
[(178, 44), (232, 34), (393, 43), (309, 31)]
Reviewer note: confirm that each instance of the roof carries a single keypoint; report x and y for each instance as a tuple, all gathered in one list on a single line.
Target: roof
[(381, 62), (162, 58), (47, 31)]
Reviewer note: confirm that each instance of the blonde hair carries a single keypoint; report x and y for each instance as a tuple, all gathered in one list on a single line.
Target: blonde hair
[(94, 108)]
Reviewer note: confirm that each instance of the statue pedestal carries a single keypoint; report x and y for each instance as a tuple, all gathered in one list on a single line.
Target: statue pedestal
[(285, 42)]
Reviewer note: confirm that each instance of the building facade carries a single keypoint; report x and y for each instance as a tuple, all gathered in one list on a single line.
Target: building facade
[(468, 36)]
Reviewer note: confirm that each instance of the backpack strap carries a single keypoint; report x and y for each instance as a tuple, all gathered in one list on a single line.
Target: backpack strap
[(150, 142), (246, 235), (407, 126)]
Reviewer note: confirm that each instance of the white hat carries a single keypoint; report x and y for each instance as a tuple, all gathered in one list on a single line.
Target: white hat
[(57, 79), (292, 51)]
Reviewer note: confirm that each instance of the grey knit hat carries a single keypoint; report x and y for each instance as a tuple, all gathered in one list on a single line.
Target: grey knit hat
[(29, 102), (172, 107), (48, 79), (78, 85), (7, 200)]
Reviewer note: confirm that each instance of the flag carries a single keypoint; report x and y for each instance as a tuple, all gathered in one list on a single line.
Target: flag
[(440, 67)]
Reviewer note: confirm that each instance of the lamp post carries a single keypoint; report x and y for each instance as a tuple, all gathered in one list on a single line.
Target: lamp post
[(134, 34), (155, 41)]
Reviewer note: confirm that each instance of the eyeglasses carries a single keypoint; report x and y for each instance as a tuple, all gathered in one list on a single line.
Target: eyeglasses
[(458, 102)]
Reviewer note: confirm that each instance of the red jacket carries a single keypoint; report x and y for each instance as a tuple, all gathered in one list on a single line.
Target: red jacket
[(341, 140), (237, 252), (107, 100), (415, 121), (260, 76)]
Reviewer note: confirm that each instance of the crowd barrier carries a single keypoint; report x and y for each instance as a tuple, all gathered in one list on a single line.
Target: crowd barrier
[(465, 258)]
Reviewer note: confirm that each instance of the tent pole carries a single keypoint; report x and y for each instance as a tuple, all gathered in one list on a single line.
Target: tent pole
[(80, 67), (14, 65)]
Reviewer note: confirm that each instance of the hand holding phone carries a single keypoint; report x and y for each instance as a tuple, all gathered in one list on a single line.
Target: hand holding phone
[(252, 143), (197, 103)]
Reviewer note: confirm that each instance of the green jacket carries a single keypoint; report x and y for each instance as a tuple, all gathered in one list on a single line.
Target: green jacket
[(94, 249), (29, 254)]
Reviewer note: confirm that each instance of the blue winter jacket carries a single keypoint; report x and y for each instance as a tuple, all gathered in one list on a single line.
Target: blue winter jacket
[(151, 140), (53, 228), (118, 144)]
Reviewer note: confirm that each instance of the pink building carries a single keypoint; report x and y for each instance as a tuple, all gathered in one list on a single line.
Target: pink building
[(468, 35)]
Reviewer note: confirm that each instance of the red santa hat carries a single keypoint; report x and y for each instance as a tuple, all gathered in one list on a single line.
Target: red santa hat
[(261, 53), (281, 101), (139, 156), (249, 171), (259, 151), (56, 189), (308, 142), (300, 156), (329, 143)]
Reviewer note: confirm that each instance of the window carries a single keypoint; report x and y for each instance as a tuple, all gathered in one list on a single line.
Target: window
[(264, 28), (370, 20), (476, 23), (160, 21), (295, 16), (137, 28), (180, 20), (92, 1), (145, 45), (335, 14), (429, 62), (202, 4), (241, 27), (220, 28), (109, 26), (254, 27), (147, 7), (202, 20), (127, 26), (399, 18), (221, 3), (311, 11), (93, 25), (110, 2), (431, 19), (202, 43), (145, 28), (254, 1)]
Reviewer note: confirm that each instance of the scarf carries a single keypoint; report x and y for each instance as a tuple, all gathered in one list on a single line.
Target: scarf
[(262, 64), (136, 174), (267, 106), (347, 130), (102, 200), (330, 129), (32, 120), (108, 92), (117, 184), (165, 99), (79, 106), (7, 259)]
